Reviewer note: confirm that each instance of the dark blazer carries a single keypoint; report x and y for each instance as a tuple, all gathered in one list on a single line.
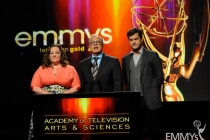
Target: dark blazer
[(108, 78), (151, 77)]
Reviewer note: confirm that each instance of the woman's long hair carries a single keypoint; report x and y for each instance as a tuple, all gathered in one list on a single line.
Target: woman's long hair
[(46, 60)]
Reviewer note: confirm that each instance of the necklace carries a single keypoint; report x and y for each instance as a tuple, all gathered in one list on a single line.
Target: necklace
[(54, 69)]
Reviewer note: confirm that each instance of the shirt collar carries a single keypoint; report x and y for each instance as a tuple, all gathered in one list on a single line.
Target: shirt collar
[(140, 51), (99, 56)]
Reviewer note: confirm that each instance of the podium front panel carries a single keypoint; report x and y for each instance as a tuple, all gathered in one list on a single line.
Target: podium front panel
[(86, 116)]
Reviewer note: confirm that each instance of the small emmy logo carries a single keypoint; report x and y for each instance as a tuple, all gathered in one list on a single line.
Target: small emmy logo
[(197, 124)]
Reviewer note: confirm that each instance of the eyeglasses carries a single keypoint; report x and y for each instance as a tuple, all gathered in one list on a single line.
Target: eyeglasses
[(96, 42)]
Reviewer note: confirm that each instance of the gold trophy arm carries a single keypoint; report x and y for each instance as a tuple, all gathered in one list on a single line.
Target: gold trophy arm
[(199, 48), (171, 54), (149, 45)]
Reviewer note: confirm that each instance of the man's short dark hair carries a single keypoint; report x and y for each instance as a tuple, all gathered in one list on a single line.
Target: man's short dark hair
[(132, 31)]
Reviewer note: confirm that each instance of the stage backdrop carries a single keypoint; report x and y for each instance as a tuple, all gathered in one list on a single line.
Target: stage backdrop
[(177, 30)]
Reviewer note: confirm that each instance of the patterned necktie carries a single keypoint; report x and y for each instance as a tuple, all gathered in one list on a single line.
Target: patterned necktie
[(95, 67)]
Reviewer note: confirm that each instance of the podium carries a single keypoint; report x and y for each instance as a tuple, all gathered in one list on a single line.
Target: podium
[(86, 116)]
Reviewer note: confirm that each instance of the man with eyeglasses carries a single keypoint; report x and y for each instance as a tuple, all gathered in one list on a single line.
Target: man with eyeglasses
[(143, 73), (100, 72)]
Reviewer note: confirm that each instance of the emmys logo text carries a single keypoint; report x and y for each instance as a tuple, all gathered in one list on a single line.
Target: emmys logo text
[(181, 136), (188, 136)]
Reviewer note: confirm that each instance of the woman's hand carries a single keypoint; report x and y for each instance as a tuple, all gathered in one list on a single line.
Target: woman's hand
[(71, 90), (39, 90)]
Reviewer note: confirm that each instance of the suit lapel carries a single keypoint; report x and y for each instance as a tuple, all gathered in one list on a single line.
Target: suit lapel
[(143, 59), (89, 67), (127, 61)]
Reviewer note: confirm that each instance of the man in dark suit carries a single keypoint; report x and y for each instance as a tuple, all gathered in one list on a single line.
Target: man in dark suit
[(109, 75), (143, 73)]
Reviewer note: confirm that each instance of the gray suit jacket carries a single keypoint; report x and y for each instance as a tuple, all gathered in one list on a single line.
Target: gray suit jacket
[(108, 79), (151, 77)]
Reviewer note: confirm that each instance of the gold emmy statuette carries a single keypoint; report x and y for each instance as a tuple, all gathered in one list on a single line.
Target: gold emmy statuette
[(153, 21)]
